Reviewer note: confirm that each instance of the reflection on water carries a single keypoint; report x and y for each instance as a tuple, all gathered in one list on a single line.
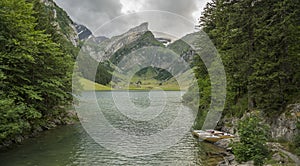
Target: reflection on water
[(71, 146)]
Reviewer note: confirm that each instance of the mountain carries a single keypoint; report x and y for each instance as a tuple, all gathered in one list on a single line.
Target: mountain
[(110, 52), (183, 49), (143, 40), (83, 32), (164, 41), (111, 49), (59, 19), (100, 39)]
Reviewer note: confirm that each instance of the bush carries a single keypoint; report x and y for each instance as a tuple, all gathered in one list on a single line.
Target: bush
[(253, 137)]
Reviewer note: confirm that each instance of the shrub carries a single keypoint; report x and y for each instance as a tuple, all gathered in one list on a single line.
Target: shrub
[(253, 137)]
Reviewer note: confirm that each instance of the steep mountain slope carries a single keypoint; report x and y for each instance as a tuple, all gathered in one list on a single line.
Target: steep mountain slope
[(183, 49), (58, 18), (110, 51), (145, 39), (83, 32), (136, 37)]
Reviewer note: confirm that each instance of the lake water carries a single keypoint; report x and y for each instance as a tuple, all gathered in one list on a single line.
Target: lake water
[(83, 145)]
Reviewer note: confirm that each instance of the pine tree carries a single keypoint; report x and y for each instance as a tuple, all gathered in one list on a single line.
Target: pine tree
[(258, 42)]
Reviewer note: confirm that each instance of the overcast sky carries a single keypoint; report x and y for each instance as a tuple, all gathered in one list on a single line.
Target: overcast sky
[(96, 13)]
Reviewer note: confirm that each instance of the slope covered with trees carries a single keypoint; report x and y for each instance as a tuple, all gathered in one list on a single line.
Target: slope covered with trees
[(259, 44), (36, 69)]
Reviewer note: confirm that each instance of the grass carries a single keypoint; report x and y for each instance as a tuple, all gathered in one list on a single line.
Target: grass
[(90, 85), (149, 85)]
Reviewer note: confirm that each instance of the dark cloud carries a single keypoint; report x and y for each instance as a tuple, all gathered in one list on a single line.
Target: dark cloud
[(159, 22), (181, 7), (94, 13)]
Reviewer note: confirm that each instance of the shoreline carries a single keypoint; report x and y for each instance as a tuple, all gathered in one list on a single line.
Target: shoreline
[(70, 119)]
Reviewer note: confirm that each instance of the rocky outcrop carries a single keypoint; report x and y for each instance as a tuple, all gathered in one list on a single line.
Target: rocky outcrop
[(282, 156), (285, 126), (107, 47), (82, 31), (62, 22), (110, 46)]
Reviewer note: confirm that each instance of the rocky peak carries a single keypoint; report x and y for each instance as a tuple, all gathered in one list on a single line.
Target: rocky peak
[(141, 28), (109, 46)]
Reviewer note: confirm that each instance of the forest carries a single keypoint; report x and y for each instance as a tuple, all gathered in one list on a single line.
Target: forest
[(259, 46), (36, 70), (258, 42)]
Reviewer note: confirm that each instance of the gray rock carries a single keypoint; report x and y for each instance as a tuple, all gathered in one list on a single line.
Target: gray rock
[(285, 126), (249, 163), (223, 143), (279, 158)]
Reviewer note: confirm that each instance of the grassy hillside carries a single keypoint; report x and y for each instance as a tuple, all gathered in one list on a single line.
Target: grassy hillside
[(90, 85)]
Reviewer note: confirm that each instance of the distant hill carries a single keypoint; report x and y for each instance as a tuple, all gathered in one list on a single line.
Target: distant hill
[(110, 52)]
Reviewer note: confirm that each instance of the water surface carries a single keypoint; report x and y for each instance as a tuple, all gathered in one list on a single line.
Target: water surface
[(72, 146)]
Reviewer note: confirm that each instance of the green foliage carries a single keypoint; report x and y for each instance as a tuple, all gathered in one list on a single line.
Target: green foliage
[(35, 72), (238, 109), (103, 74), (253, 137), (297, 144), (259, 45), (154, 72), (181, 48), (60, 33), (202, 92), (11, 122)]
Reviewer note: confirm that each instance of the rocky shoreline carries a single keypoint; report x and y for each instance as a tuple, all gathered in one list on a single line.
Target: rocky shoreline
[(279, 156), (283, 127), (70, 117)]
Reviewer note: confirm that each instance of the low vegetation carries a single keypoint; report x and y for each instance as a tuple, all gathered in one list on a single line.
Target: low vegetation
[(253, 137), (90, 85)]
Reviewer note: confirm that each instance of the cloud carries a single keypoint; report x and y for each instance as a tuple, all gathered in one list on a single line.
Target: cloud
[(94, 13), (181, 7)]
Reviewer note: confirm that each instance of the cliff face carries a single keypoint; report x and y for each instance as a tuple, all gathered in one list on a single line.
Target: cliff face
[(62, 22), (104, 50), (112, 45), (285, 126)]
